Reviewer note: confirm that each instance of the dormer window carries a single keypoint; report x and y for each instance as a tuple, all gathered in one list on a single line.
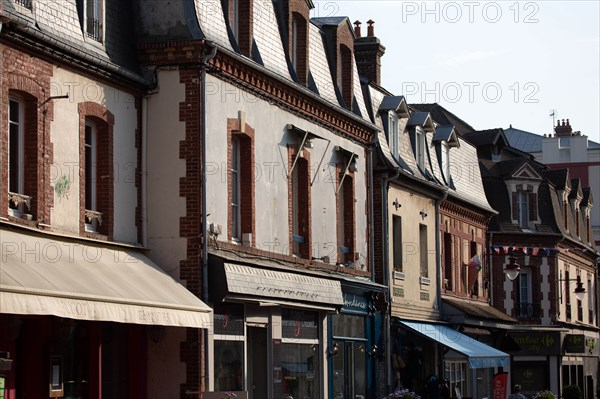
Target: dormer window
[(345, 75), (92, 13), (420, 147), (240, 22), (446, 160), (299, 46), (496, 153), (524, 206), (393, 133)]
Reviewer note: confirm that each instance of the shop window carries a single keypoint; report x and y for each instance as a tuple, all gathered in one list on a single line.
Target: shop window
[(423, 250), (300, 360), (397, 239), (345, 325), (458, 378), (229, 341)]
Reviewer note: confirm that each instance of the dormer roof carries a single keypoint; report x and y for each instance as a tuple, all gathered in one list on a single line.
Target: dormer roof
[(446, 133), (421, 119)]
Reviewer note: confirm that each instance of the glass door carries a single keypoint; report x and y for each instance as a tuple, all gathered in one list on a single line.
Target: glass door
[(350, 370)]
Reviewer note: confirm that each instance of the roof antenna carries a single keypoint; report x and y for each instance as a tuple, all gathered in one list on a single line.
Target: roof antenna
[(553, 115)]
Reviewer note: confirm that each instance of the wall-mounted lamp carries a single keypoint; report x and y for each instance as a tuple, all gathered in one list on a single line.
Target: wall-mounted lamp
[(334, 349), (373, 351), (423, 214), (512, 269), (396, 204), (579, 290)]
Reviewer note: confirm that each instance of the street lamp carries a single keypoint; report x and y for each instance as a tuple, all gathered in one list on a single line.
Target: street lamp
[(512, 269)]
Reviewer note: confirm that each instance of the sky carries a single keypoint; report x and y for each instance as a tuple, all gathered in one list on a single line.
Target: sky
[(492, 63)]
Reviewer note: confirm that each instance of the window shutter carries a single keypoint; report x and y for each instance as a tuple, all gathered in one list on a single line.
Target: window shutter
[(532, 198), (515, 209)]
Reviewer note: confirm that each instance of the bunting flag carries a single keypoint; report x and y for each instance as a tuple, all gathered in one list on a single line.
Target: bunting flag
[(497, 250), (505, 249), (474, 267), (547, 251)]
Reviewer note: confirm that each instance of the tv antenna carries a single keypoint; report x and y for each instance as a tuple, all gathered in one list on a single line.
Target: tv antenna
[(553, 115)]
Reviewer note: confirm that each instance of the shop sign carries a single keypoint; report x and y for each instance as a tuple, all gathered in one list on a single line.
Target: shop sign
[(574, 343), (532, 376), (500, 381), (357, 303), (537, 343)]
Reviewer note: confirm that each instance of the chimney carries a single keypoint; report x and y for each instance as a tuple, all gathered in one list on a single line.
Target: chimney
[(368, 52), (563, 128)]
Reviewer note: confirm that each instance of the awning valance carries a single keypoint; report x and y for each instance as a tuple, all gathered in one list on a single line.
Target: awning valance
[(478, 354), (279, 286), (52, 275)]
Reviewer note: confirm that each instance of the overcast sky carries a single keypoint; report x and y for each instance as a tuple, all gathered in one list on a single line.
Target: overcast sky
[(491, 63)]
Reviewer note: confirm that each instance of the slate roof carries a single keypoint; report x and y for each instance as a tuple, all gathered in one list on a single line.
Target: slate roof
[(524, 141), (444, 117), (478, 310)]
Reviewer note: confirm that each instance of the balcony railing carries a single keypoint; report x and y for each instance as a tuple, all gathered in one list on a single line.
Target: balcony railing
[(24, 3), (94, 29), (527, 311)]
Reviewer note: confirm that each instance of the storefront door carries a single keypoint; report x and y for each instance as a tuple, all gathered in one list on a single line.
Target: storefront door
[(349, 370), (257, 357)]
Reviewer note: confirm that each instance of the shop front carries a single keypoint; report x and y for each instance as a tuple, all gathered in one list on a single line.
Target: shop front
[(355, 344), (269, 328), (76, 317), (466, 362)]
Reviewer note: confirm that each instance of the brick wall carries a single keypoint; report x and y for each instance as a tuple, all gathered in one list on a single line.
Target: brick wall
[(28, 78)]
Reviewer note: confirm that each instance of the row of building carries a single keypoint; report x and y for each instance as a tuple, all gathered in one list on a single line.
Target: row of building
[(203, 197)]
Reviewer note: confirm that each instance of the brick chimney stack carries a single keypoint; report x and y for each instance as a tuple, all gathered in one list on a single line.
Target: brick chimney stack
[(563, 129), (368, 52)]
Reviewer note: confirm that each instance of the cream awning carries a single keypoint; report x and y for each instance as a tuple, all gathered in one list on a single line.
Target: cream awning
[(52, 275)]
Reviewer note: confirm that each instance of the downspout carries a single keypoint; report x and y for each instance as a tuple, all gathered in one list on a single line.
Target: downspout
[(144, 172), (202, 141), (386, 279), (371, 216), (438, 268)]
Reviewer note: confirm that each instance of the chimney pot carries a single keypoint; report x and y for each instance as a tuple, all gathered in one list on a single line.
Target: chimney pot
[(357, 24), (568, 123), (370, 28)]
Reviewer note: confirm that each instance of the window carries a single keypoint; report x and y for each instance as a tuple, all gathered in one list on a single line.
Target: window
[(567, 295), (458, 378), (240, 21), (22, 146), (230, 336), (448, 269), (300, 361), (300, 186), (345, 75), (294, 46), (16, 139), (24, 3), (591, 295), (240, 180), (397, 237), (524, 204), (393, 133), (94, 18), (446, 161), (423, 250), (420, 147), (524, 308), (96, 183), (346, 219), (235, 190)]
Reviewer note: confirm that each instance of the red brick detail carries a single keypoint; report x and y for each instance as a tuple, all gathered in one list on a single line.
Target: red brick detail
[(345, 201), (246, 176), (304, 201), (346, 75), (28, 78), (104, 121), (378, 244), (191, 352)]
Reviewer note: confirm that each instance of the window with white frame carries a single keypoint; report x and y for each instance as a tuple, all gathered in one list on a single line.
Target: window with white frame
[(90, 166), (16, 145), (456, 372), (420, 147), (424, 266), (522, 208), (446, 161), (393, 133), (524, 307), (235, 190), (94, 19), (294, 54), (591, 295), (397, 237)]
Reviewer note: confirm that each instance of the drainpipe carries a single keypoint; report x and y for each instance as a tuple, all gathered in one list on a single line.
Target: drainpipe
[(144, 172), (371, 216), (202, 139), (438, 267), (386, 279)]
